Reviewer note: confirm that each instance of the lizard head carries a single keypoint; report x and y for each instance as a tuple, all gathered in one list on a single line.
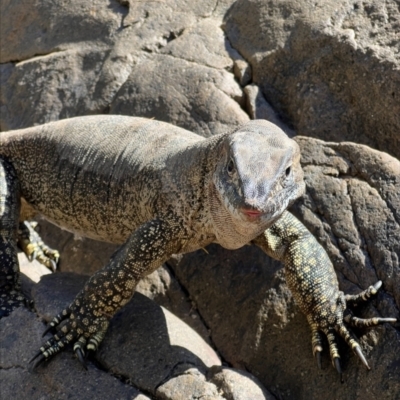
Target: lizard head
[(258, 174)]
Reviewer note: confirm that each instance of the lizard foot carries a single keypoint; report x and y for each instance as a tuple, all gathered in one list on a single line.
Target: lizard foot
[(10, 301), (76, 325), (330, 318), (34, 247)]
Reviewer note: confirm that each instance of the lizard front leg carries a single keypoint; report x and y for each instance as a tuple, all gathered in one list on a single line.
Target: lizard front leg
[(85, 321), (312, 280), (10, 294)]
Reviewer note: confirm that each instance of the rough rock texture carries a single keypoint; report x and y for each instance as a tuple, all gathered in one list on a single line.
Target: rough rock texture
[(230, 379), (64, 379), (330, 68), (128, 57), (195, 97)]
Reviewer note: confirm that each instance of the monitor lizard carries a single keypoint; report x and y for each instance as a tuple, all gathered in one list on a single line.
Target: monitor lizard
[(159, 190)]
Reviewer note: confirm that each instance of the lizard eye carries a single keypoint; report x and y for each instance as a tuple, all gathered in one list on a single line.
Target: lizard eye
[(288, 171), (230, 167)]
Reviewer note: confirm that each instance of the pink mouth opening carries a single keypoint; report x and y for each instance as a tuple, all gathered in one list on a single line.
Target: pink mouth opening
[(252, 213)]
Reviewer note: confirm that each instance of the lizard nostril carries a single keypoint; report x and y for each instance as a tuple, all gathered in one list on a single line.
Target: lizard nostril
[(288, 170)]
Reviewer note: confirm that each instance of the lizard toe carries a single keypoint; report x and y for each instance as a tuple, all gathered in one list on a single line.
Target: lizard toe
[(34, 248)]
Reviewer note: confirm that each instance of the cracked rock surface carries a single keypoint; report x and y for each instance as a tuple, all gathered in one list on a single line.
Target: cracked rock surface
[(164, 60), (218, 324)]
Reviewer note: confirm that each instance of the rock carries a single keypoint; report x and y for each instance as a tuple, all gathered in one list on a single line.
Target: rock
[(190, 386), (330, 68), (325, 68), (192, 96), (351, 206), (162, 287), (242, 71), (239, 385), (220, 383), (39, 28), (58, 84), (77, 254), (32, 270), (109, 58), (62, 378), (203, 43)]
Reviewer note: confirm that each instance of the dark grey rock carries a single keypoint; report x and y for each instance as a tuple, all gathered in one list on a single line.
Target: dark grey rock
[(62, 378)]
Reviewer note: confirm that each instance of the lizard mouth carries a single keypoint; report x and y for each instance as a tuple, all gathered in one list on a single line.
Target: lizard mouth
[(252, 214)]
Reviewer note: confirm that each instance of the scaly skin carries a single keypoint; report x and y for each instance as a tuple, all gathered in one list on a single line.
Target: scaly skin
[(158, 190)]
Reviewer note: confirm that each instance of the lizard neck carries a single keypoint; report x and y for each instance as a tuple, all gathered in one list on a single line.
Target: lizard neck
[(231, 231)]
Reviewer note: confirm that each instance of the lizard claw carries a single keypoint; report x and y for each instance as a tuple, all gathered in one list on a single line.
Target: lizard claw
[(81, 357), (364, 295), (37, 362), (53, 265), (359, 353), (332, 316), (39, 353), (55, 321), (31, 256)]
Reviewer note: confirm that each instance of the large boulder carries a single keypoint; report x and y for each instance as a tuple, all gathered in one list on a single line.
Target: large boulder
[(329, 67)]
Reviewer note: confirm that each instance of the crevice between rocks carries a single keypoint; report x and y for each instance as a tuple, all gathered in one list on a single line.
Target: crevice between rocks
[(174, 373), (35, 57), (214, 9), (122, 378), (12, 367)]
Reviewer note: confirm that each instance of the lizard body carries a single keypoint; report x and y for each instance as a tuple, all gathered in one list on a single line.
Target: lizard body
[(159, 190)]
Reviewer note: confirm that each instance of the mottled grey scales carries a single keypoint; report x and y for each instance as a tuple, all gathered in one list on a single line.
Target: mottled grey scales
[(159, 190)]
